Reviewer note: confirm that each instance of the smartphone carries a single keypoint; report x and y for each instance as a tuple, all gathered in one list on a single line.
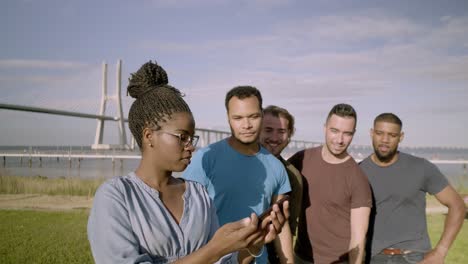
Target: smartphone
[(268, 211)]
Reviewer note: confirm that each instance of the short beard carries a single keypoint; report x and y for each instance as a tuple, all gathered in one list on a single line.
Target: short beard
[(385, 158)]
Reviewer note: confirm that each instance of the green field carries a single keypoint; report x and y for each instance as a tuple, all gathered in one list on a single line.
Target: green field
[(458, 252), (60, 237), (44, 237)]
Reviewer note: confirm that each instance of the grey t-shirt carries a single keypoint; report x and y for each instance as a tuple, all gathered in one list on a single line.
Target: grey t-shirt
[(130, 224), (399, 192)]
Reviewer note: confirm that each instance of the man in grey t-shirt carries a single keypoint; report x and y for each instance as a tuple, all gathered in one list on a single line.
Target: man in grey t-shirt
[(398, 231)]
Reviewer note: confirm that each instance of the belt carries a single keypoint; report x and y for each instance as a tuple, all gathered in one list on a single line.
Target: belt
[(394, 251)]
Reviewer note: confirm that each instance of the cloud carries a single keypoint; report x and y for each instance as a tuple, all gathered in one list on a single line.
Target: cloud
[(259, 4), (308, 65), (350, 29), (41, 64)]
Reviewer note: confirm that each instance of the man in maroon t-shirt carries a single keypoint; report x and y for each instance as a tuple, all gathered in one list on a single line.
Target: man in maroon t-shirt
[(337, 196)]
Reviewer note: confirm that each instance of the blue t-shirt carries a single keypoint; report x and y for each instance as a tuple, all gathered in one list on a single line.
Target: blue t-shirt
[(239, 184)]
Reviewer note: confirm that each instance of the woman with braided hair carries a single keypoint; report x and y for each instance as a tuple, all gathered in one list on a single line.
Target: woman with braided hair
[(149, 216)]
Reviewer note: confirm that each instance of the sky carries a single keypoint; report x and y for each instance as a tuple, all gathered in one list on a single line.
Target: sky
[(405, 57)]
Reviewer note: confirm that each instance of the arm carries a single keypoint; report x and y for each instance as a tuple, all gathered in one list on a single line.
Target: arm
[(283, 242), (453, 222), (110, 232), (359, 225)]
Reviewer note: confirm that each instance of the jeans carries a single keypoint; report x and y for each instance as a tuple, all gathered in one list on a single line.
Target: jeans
[(410, 258)]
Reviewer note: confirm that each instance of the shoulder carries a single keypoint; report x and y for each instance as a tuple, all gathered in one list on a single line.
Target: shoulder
[(309, 152), (113, 193), (196, 186), (198, 191), (314, 152), (297, 160), (414, 161), (403, 156), (213, 149), (266, 156), (115, 185), (366, 161), (353, 166), (420, 164)]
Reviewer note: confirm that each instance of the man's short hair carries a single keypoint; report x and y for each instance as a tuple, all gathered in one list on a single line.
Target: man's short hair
[(389, 118), (277, 111), (343, 110), (243, 92)]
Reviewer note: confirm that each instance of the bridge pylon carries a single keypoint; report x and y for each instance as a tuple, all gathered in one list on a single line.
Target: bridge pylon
[(117, 98)]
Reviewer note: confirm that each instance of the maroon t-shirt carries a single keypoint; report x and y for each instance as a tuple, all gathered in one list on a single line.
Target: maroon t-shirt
[(330, 192)]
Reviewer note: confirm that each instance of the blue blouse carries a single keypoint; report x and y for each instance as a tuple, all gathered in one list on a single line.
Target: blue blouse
[(129, 223)]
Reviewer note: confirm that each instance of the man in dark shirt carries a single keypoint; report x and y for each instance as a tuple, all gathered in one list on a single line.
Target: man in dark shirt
[(399, 181), (277, 130)]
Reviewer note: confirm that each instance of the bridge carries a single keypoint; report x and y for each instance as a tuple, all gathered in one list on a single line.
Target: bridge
[(124, 150), (124, 147)]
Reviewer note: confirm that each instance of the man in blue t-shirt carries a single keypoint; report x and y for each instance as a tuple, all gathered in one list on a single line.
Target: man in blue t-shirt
[(398, 231), (240, 175)]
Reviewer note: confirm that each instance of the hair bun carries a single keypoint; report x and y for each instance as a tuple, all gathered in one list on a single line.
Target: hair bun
[(150, 75)]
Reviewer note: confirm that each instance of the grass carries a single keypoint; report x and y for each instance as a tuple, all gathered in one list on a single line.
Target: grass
[(457, 253), (60, 237), (44, 237), (49, 186), (29, 236)]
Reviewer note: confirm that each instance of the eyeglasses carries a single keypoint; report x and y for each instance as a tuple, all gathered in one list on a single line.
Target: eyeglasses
[(184, 139)]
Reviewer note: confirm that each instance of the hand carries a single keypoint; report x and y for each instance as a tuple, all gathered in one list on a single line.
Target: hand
[(271, 226), (435, 256), (277, 219), (236, 235)]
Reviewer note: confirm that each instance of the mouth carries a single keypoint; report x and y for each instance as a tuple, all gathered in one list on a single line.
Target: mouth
[(273, 145), (186, 159), (383, 148), (339, 146)]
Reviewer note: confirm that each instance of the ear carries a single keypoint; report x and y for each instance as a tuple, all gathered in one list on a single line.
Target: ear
[(371, 132), (147, 137), (402, 135)]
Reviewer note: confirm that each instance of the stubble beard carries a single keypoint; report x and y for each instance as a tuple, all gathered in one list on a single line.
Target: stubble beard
[(384, 158), (343, 152), (246, 143)]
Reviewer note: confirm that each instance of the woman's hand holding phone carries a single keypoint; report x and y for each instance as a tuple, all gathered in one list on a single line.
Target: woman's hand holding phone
[(271, 221)]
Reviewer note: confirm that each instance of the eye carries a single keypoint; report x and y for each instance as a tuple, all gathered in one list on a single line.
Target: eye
[(184, 137)]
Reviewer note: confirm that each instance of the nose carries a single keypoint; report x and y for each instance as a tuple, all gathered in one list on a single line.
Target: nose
[(274, 137), (385, 138), (247, 123), (340, 138), (189, 147)]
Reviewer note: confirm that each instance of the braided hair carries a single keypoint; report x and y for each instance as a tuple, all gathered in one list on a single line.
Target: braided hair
[(155, 100)]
